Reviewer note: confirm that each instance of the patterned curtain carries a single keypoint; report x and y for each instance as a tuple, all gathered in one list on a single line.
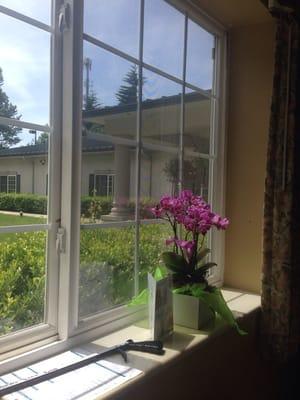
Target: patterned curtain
[(281, 241)]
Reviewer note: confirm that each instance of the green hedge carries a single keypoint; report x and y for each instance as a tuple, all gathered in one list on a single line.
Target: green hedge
[(95, 206), (91, 207), (30, 203)]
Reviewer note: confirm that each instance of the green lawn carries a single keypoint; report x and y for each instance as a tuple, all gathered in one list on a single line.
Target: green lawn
[(10, 220)]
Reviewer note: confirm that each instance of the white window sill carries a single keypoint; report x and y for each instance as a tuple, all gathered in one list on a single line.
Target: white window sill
[(240, 303), (183, 341)]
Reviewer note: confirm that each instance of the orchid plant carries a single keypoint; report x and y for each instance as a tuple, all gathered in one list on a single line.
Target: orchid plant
[(191, 218)]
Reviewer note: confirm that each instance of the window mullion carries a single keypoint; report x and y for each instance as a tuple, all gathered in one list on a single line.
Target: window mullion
[(71, 169), (182, 122)]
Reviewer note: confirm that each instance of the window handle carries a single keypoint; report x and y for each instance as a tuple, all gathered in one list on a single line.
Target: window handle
[(64, 17)]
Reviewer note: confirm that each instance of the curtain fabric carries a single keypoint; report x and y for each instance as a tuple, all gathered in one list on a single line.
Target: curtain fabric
[(281, 240)]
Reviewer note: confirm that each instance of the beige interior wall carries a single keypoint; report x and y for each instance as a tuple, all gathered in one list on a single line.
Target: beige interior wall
[(250, 87)]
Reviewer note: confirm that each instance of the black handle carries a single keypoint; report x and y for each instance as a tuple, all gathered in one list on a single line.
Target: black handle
[(148, 346)]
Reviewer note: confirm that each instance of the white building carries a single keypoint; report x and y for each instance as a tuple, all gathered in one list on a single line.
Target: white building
[(109, 152)]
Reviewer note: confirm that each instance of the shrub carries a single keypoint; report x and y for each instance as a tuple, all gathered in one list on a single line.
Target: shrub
[(106, 271), (95, 206), (22, 281), (30, 203)]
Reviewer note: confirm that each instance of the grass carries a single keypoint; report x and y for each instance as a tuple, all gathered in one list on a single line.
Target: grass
[(11, 220)]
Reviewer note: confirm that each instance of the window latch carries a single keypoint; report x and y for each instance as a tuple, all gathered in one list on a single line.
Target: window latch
[(64, 17), (60, 240)]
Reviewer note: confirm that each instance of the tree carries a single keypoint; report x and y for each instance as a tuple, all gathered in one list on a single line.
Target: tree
[(127, 94), (195, 174), (42, 138), (91, 101), (8, 134)]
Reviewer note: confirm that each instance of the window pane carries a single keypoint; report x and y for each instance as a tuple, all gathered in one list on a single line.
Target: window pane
[(22, 280), (196, 175), (25, 72), (161, 107), (163, 37), (32, 8), (200, 63), (197, 122), (109, 117), (106, 268), (23, 179), (152, 244), (114, 22), (159, 176)]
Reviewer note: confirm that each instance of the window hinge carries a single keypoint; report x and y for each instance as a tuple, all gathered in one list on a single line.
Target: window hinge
[(64, 17), (61, 240)]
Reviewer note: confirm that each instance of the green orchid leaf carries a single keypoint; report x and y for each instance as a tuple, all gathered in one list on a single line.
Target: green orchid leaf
[(216, 300), (160, 273), (194, 290), (174, 262), (203, 253), (206, 266), (141, 299)]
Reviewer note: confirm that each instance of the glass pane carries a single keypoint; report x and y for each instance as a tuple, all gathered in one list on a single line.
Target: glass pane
[(196, 175), (32, 8), (23, 180), (161, 117), (197, 122), (159, 176), (106, 268), (110, 93), (109, 117), (200, 63), (152, 244), (25, 71), (163, 37), (114, 22), (22, 280)]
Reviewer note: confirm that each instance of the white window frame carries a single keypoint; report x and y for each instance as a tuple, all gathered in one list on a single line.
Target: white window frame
[(9, 183), (63, 328)]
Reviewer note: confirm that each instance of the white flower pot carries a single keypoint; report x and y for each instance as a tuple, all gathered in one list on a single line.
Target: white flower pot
[(191, 312)]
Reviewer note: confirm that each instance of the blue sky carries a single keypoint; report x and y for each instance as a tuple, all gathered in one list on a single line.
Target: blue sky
[(25, 52)]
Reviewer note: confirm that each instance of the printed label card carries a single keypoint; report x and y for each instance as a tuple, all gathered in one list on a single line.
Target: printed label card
[(160, 307)]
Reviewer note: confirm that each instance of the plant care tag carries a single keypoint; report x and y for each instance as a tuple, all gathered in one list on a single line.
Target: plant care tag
[(160, 307)]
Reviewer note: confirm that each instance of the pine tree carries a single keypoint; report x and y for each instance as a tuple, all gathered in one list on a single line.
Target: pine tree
[(43, 138), (91, 103), (8, 134), (127, 94)]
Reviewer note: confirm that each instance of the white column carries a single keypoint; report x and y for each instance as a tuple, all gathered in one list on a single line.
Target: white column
[(120, 210)]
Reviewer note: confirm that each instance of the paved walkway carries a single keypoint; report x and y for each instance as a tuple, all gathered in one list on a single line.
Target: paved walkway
[(24, 214)]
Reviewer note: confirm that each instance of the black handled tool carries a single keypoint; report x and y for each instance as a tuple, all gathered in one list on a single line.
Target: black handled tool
[(150, 346)]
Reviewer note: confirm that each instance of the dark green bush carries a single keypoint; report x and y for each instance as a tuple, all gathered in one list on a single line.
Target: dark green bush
[(102, 203), (29, 203), (91, 206)]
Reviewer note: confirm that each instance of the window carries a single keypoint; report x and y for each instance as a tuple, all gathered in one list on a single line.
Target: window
[(101, 185), (10, 183), (144, 114)]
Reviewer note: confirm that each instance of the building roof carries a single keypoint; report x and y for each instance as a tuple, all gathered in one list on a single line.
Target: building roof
[(147, 104), (88, 145), (94, 145)]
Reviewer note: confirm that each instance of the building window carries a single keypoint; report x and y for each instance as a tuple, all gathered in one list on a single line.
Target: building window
[(10, 183), (101, 185), (135, 104)]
